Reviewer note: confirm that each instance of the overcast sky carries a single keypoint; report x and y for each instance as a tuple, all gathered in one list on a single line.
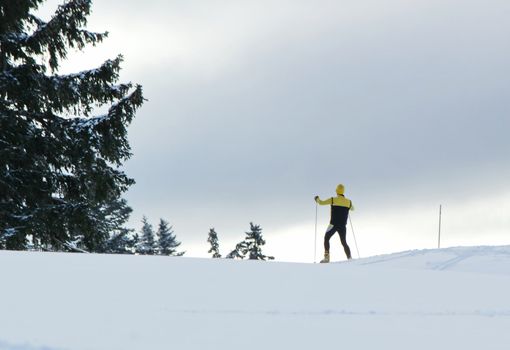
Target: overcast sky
[(254, 107)]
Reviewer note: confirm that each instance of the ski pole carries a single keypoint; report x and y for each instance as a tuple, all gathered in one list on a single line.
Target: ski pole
[(315, 244), (352, 229)]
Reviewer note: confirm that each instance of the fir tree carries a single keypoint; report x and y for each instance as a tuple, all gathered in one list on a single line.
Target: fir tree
[(147, 243), (215, 246), (59, 159), (254, 243), (167, 240)]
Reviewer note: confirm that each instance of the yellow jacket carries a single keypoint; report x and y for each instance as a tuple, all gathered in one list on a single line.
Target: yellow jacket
[(340, 207), (339, 200)]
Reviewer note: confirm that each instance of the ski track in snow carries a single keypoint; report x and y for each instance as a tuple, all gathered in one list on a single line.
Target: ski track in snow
[(388, 258), (476, 313), (450, 263), (7, 346), (452, 256)]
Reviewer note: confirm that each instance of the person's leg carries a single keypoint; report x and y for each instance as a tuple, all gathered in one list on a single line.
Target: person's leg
[(329, 233), (342, 231)]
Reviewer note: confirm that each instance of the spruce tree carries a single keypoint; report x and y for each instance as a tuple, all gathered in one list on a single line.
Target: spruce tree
[(213, 241), (254, 243), (120, 242), (147, 242), (133, 243), (59, 158), (167, 240), (120, 239)]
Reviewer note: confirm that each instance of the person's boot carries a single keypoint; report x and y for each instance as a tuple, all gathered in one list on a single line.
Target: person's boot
[(326, 258)]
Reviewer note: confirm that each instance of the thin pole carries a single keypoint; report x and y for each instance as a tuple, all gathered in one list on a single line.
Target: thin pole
[(315, 244), (352, 229), (439, 237)]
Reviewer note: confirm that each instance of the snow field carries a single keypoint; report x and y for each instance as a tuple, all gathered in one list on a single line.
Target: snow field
[(450, 298)]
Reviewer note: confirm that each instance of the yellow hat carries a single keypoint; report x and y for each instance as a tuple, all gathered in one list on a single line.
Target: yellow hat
[(340, 189)]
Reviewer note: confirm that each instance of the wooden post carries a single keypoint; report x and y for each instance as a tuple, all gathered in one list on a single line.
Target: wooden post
[(439, 238), (315, 244)]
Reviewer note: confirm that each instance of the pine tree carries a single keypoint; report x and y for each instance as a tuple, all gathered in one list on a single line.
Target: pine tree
[(167, 240), (215, 246), (59, 159), (147, 243), (254, 243)]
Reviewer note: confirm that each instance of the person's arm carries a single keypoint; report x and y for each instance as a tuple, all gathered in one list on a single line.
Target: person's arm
[(351, 207), (328, 201)]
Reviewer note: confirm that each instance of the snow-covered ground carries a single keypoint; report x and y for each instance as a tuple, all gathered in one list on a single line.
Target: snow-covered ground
[(456, 298)]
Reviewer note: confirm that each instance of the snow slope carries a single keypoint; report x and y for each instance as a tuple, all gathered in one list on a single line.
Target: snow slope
[(456, 298)]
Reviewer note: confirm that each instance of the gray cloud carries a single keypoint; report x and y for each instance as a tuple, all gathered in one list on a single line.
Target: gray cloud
[(256, 106)]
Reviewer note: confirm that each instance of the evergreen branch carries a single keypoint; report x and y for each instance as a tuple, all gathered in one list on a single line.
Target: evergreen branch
[(36, 20), (70, 246), (9, 232), (107, 133), (79, 92), (12, 14), (63, 32), (128, 105)]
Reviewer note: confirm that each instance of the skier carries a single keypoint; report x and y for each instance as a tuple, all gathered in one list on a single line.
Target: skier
[(340, 207)]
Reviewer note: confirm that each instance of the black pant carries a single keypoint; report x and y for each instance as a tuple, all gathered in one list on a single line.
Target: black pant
[(342, 231)]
